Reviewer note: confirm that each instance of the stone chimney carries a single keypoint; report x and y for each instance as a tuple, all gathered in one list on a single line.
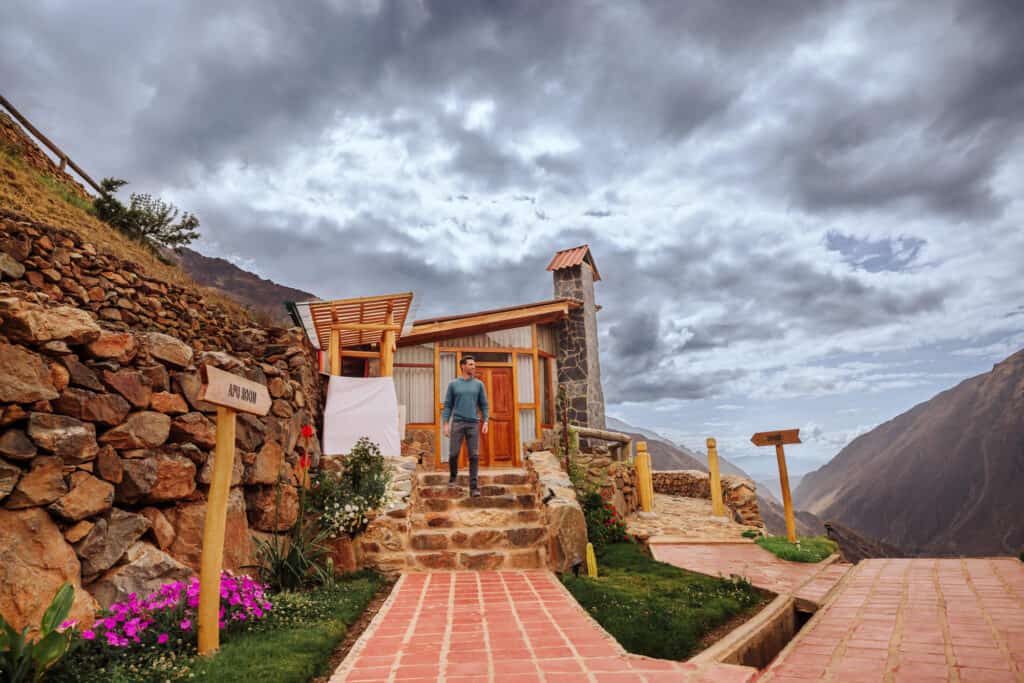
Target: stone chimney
[(579, 365)]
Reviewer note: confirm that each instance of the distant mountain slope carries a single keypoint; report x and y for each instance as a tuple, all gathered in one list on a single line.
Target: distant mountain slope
[(247, 288), (945, 477), (672, 456)]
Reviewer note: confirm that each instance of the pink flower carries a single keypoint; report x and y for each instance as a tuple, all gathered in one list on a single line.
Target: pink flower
[(186, 624), (110, 622), (88, 634), (68, 623), (162, 638)]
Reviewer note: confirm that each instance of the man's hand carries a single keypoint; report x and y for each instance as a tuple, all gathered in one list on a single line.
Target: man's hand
[(447, 429), (483, 429)]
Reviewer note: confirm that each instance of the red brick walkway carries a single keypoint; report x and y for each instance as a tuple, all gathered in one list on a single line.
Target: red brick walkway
[(503, 627), (808, 581), (917, 621)]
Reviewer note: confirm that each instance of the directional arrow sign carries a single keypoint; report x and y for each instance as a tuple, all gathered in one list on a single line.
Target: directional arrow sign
[(773, 438)]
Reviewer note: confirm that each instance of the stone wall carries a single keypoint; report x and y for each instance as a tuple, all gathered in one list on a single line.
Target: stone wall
[(419, 441), (567, 528), (105, 449), (579, 365), (738, 493), (617, 480)]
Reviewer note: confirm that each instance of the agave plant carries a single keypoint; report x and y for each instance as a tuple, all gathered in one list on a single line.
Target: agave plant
[(22, 659)]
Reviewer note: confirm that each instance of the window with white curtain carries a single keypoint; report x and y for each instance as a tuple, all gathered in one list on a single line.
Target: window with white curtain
[(415, 389), (525, 378), (448, 366), (527, 427)]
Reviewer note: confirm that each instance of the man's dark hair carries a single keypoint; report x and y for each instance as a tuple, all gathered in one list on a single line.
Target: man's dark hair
[(465, 359)]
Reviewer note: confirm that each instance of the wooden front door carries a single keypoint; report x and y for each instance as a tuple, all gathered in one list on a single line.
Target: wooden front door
[(498, 446)]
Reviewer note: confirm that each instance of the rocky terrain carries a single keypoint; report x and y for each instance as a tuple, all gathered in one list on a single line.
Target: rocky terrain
[(105, 449), (942, 478)]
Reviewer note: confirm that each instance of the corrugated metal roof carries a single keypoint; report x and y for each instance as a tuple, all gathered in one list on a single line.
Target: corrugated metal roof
[(567, 258)]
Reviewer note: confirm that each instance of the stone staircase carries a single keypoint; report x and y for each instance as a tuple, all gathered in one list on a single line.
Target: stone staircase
[(504, 528)]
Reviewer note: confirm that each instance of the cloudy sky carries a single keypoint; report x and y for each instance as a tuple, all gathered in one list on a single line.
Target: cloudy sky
[(805, 214)]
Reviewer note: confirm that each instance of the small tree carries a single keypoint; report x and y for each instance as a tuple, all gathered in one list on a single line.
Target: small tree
[(146, 218)]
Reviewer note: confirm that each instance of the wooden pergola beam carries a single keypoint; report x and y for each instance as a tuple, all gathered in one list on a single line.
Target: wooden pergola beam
[(367, 327)]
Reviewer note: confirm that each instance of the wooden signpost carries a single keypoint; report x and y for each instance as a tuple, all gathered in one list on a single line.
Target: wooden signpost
[(777, 439), (717, 507), (230, 393)]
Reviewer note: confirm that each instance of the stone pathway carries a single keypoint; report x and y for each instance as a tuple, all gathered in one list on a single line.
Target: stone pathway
[(501, 627), (806, 581), (689, 518), (915, 621)]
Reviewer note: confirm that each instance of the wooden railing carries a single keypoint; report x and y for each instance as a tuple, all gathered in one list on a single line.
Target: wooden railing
[(65, 160)]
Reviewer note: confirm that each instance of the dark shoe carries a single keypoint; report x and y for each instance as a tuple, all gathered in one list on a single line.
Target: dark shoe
[(451, 482), (475, 493)]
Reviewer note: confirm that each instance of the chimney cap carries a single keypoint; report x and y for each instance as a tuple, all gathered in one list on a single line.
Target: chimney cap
[(568, 258)]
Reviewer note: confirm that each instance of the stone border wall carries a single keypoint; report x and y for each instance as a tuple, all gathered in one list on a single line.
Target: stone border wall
[(567, 528), (738, 493)]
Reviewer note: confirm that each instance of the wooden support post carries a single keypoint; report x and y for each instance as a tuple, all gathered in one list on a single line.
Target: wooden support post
[(387, 352), (717, 507), (645, 484), (787, 501), (591, 561), (212, 558), (334, 352), (230, 394)]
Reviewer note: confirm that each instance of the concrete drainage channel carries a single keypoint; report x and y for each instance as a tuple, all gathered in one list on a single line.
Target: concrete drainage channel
[(757, 642)]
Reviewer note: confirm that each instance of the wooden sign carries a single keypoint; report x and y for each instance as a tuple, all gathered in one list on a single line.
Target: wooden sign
[(230, 393), (779, 437), (225, 389)]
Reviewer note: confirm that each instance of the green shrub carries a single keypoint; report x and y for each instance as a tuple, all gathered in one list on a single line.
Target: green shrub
[(604, 525), (297, 558), (751, 533), (806, 549), (146, 218), (22, 659), (655, 609), (344, 499)]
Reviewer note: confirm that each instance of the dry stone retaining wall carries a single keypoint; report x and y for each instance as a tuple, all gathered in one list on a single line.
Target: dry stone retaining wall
[(738, 493)]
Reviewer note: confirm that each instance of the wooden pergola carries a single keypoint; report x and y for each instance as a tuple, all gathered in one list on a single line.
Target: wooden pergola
[(347, 323)]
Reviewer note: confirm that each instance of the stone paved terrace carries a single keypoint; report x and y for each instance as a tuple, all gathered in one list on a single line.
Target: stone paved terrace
[(810, 582), (917, 621), (501, 627), (689, 518)]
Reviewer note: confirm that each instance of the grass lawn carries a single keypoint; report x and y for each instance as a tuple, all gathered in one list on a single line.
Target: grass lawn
[(655, 609), (292, 644), (806, 549)]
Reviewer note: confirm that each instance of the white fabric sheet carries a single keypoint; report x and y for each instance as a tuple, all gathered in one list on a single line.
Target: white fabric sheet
[(361, 406)]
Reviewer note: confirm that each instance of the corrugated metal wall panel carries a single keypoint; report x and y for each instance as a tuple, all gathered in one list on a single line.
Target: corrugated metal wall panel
[(527, 427), (415, 389), (447, 375), (547, 338), (514, 338), (415, 354), (525, 378)]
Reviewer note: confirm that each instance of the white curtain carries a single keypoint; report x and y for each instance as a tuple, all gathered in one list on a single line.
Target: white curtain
[(448, 366), (415, 387), (358, 407), (527, 427), (525, 378)]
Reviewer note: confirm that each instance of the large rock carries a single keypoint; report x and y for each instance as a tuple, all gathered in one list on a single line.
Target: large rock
[(15, 445), (249, 432), (567, 534), (108, 540), (270, 512), (64, 436), (81, 375), (88, 497), (187, 520), (189, 384), (26, 378), (9, 267), (146, 429), (108, 465), (169, 350), (26, 322), (131, 384), (35, 561), (117, 346), (9, 476), (166, 402), (43, 484), (161, 529), (268, 465), (145, 569), (108, 409), (160, 478), (194, 428), (205, 475)]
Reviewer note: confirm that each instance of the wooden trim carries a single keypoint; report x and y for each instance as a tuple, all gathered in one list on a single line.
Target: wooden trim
[(412, 365), (541, 352), (420, 425), (361, 354), (367, 327), (486, 349), (335, 351), (476, 324), (536, 379), (516, 445), (437, 407)]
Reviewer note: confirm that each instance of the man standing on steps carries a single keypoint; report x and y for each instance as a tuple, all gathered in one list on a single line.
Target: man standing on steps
[(466, 394)]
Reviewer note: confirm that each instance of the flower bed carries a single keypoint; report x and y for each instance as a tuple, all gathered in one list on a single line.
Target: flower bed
[(806, 549)]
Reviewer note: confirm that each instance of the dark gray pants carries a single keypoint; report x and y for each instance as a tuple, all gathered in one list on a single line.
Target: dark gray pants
[(470, 432)]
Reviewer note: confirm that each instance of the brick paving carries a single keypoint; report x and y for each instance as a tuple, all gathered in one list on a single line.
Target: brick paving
[(501, 627), (917, 621), (808, 581)]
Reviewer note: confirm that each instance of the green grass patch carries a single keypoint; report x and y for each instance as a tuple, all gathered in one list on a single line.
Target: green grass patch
[(292, 644), (60, 189), (655, 609), (806, 549)]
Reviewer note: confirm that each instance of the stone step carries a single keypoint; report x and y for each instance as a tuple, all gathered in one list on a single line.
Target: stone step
[(521, 501), (445, 491), (479, 538), (532, 558), (509, 477), (474, 518)]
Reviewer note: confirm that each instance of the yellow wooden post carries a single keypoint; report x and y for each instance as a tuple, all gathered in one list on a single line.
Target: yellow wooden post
[(717, 508), (787, 501), (591, 561), (334, 351), (645, 486), (387, 352), (213, 532)]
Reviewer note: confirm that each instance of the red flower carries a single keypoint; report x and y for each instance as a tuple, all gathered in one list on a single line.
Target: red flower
[(304, 462), (307, 431)]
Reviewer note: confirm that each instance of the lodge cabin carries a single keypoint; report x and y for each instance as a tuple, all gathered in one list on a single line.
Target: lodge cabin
[(523, 355)]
